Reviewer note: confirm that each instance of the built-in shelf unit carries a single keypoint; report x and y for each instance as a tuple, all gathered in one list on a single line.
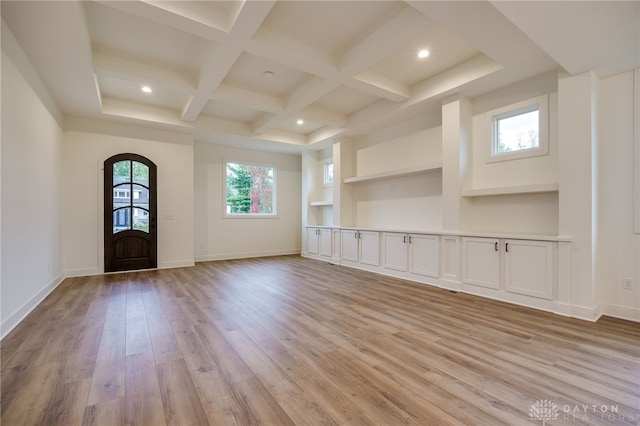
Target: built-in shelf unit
[(511, 190), (394, 173), (321, 203)]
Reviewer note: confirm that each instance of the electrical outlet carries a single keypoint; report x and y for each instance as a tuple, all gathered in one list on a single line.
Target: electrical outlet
[(627, 284)]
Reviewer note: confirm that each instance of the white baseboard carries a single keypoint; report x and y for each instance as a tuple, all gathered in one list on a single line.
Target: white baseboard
[(176, 264), (21, 313), (244, 255), (621, 312), (72, 273)]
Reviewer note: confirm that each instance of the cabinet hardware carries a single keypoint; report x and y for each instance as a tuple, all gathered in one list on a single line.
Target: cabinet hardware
[(355, 235), (405, 239), (495, 247), (506, 247), (410, 239)]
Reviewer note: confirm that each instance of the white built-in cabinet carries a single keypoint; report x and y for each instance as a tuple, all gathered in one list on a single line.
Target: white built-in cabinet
[(414, 253), (517, 266), (529, 267), (360, 246), (319, 241)]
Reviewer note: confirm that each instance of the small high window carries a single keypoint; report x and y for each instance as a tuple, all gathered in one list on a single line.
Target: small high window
[(328, 172), (250, 190), (519, 131)]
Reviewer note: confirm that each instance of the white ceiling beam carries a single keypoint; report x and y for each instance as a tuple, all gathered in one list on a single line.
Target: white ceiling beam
[(221, 59), (447, 82), (323, 134), (385, 40), (304, 96), (136, 112), (215, 68), (266, 121), (454, 78), (505, 43), (292, 53), (381, 86), (248, 18), (328, 118), (112, 66), (195, 11), (378, 45), (565, 30), (163, 14), (169, 119), (248, 99), (284, 137)]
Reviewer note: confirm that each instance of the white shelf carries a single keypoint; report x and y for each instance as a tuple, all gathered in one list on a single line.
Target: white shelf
[(321, 203), (511, 190), (394, 173)]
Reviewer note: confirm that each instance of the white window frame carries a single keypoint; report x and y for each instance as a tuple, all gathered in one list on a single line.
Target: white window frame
[(325, 172), (226, 215), (541, 103)]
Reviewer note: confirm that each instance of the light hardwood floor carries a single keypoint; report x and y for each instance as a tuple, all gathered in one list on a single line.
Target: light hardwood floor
[(287, 340)]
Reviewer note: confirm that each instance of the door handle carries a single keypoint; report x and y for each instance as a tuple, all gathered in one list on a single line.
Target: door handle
[(405, 239), (506, 247), (495, 246)]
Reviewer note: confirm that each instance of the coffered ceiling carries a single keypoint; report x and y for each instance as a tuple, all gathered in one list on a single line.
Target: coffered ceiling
[(292, 75)]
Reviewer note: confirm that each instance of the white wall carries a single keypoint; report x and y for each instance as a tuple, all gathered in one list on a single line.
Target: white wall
[(618, 248), (218, 237), (84, 153), (31, 187), (518, 214), (408, 203)]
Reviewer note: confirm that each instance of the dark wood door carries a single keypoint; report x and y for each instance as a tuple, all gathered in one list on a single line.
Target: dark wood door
[(130, 208)]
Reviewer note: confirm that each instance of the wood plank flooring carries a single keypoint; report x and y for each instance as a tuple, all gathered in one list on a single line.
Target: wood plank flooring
[(292, 341)]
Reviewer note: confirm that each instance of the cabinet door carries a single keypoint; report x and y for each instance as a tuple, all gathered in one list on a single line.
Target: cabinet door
[(312, 240), (481, 262), (395, 251), (370, 248), (528, 267), (424, 251), (324, 242), (349, 245)]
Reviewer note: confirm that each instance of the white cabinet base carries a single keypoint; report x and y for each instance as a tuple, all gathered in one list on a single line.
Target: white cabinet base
[(526, 272)]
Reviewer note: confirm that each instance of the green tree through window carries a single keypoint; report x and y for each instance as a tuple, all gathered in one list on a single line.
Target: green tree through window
[(250, 189)]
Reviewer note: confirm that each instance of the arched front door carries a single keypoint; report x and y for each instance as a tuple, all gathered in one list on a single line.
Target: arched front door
[(129, 213)]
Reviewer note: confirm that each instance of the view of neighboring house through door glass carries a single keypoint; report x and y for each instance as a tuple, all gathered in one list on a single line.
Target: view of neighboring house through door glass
[(130, 196)]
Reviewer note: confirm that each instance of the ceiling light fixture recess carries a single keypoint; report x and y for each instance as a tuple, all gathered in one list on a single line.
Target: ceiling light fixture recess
[(423, 53), (146, 89), (300, 121), (268, 73)]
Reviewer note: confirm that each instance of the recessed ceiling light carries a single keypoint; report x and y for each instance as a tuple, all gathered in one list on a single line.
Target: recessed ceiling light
[(300, 121), (423, 53), (146, 89)]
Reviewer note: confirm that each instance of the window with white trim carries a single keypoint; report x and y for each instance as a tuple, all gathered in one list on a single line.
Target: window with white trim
[(519, 130), (249, 190), (328, 173)]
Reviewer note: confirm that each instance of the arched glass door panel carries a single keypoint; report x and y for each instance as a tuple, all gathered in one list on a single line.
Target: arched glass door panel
[(130, 213)]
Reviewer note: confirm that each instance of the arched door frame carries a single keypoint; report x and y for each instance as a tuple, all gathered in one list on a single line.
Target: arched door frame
[(129, 244)]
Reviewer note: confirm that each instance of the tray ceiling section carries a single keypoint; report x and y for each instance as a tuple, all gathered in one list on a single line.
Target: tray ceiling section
[(301, 70)]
